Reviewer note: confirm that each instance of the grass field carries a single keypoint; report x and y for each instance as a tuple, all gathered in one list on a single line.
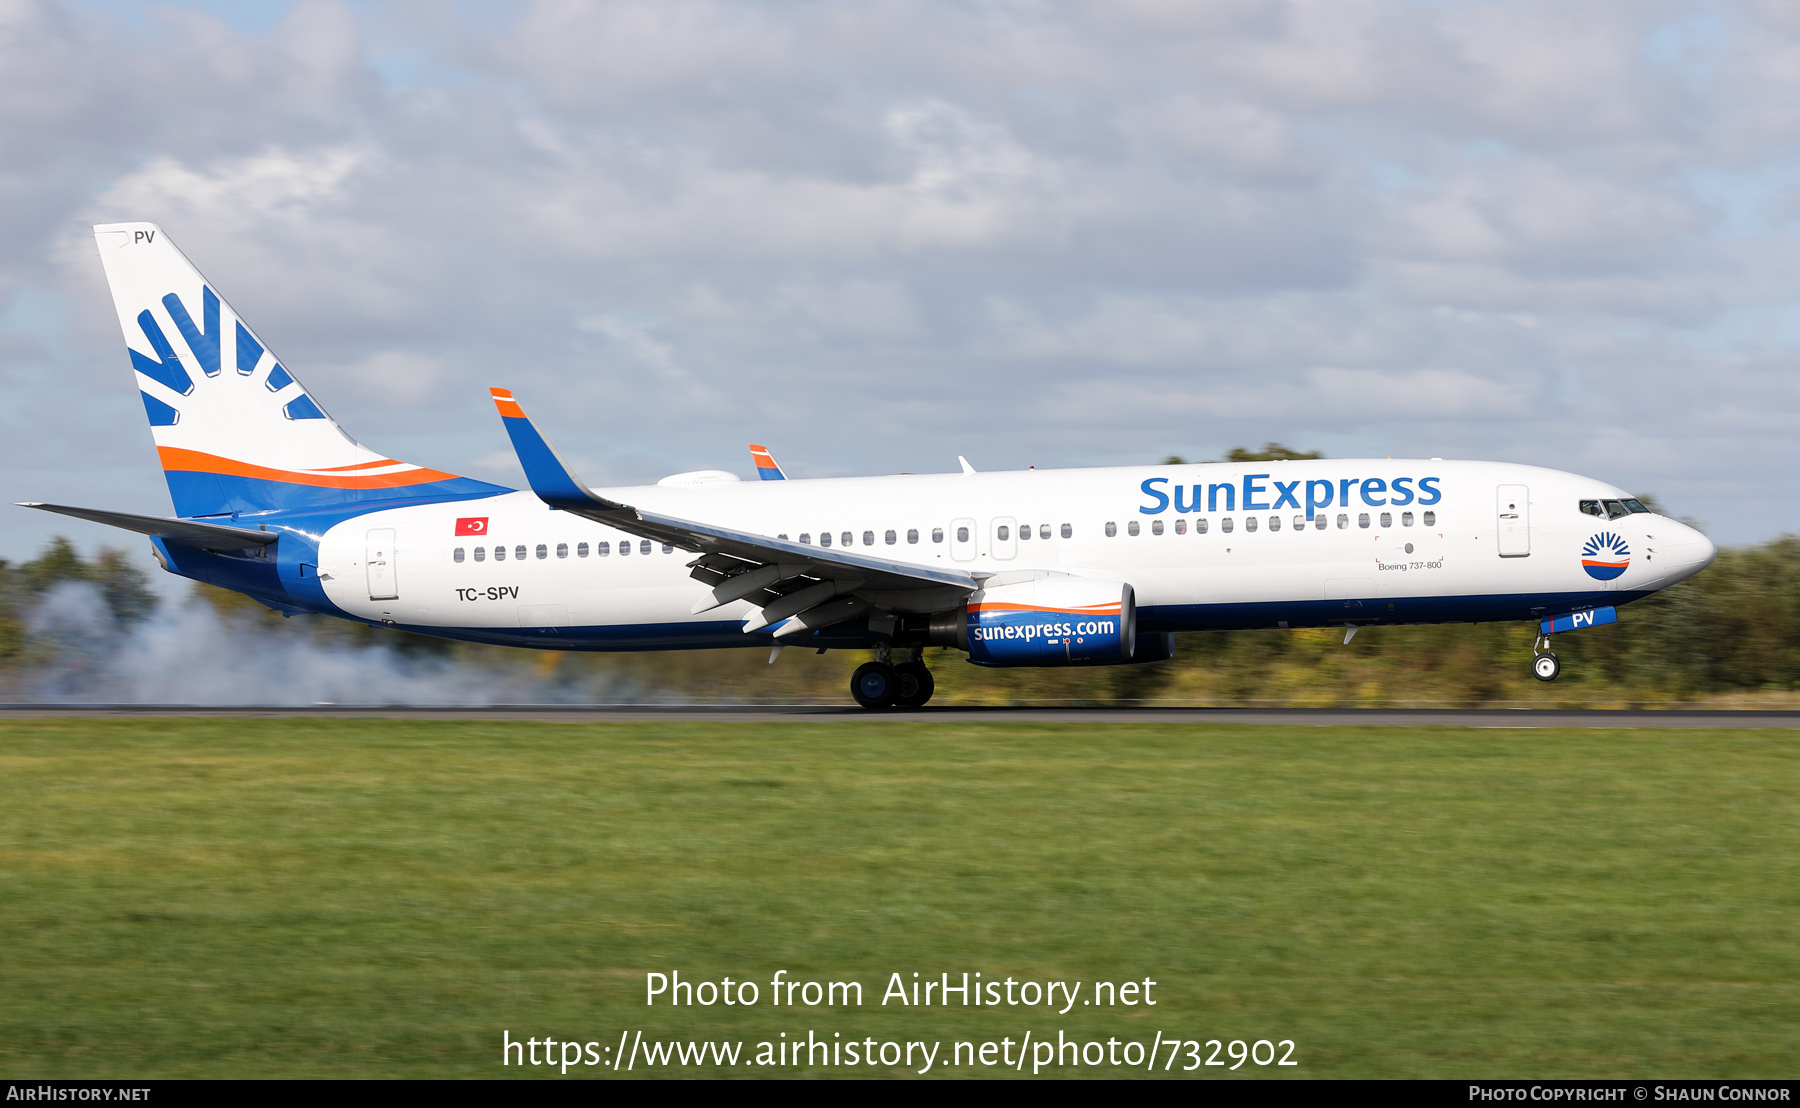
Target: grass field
[(382, 898)]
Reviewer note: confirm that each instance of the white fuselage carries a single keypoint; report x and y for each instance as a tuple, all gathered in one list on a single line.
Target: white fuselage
[(1210, 566)]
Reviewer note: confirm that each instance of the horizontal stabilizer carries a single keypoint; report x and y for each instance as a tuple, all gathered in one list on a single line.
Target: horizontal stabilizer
[(208, 536)]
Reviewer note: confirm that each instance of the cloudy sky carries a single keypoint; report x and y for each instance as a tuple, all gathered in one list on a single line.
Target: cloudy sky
[(877, 235)]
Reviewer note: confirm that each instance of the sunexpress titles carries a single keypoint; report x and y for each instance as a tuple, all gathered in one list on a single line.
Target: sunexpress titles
[(1262, 494)]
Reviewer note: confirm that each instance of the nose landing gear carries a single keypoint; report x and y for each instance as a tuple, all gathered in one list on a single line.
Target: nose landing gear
[(1544, 665)]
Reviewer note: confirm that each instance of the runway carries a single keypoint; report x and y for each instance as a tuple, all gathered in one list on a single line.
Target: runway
[(1507, 718)]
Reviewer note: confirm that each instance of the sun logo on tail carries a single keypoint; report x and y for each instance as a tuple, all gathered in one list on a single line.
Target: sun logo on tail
[(170, 370), (1605, 556)]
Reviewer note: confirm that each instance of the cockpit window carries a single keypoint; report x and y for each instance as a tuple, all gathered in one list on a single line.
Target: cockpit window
[(1613, 509)]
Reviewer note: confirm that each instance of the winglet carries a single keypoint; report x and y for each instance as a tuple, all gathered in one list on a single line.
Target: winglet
[(966, 467), (551, 478), (765, 464)]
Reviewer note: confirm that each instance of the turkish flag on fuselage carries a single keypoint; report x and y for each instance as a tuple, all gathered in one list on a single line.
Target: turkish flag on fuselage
[(472, 526)]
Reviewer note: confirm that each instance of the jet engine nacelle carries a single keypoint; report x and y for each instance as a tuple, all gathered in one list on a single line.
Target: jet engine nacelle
[(1056, 621)]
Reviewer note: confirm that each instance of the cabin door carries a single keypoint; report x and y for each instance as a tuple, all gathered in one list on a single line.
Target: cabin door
[(379, 560), (1514, 510)]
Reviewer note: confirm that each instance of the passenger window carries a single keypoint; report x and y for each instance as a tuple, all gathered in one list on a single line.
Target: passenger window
[(1344, 521), (1181, 526), (1199, 527), (667, 549), (891, 538), (847, 539), (962, 534), (457, 555), (1299, 523), (1362, 520), (1387, 519), (937, 534), (519, 553), (868, 538), (1003, 532), (1225, 525), (1112, 529), (1067, 531), (542, 552), (624, 547), (1024, 532), (1274, 523), (782, 536), (1592, 508), (1156, 527), (1429, 519), (1249, 523), (1043, 530), (824, 538), (581, 550), (912, 536), (806, 537), (1132, 529), (602, 549), (1319, 522), (481, 553), (643, 546), (1406, 519), (499, 553), (562, 550)]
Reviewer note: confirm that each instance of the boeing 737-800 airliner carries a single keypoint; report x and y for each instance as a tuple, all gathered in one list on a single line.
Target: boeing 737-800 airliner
[(1034, 568)]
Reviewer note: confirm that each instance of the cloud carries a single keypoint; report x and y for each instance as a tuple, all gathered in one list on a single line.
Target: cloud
[(1151, 227), (244, 195)]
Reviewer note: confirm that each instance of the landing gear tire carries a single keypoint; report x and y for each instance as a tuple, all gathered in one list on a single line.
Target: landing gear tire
[(916, 685), (1545, 667), (875, 685)]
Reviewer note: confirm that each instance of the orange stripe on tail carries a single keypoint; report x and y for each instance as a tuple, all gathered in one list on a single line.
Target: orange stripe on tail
[(194, 461)]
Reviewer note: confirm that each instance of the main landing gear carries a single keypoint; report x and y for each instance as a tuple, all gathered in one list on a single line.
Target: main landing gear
[(882, 684), (1544, 665)]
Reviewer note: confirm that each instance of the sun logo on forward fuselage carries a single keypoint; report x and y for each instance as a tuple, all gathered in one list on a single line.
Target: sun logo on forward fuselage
[(1605, 556)]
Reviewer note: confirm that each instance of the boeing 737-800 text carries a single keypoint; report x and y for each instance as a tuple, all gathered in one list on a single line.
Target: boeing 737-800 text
[(1035, 568)]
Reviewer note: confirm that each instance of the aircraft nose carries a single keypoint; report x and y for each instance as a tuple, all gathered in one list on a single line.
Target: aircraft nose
[(1690, 553), (1707, 551)]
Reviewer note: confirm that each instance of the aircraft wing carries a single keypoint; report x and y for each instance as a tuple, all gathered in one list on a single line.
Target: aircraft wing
[(722, 549), (208, 536)]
